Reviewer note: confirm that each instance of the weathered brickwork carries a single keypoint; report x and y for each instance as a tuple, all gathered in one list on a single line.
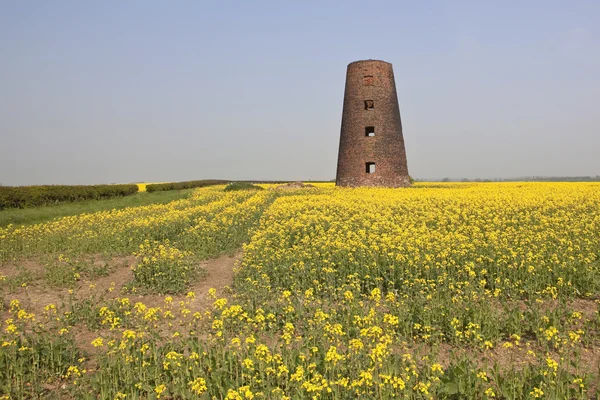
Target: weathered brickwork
[(371, 129)]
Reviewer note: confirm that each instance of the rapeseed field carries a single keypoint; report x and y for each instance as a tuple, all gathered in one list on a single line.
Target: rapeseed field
[(445, 290)]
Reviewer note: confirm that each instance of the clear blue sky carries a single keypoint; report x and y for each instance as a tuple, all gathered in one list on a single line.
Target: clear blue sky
[(122, 91)]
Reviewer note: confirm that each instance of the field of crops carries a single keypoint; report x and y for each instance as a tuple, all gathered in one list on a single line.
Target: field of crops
[(451, 290)]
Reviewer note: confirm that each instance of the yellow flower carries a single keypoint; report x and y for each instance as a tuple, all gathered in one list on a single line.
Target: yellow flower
[(73, 371), (198, 386), (298, 375), (356, 345), (12, 328), (333, 356), (375, 294), (437, 368), (550, 333), (423, 387), (536, 393), (14, 305), (233, 395), (248, 364), (129, 334), (262, 353), (552, 364), (220, 303), (159, 390)]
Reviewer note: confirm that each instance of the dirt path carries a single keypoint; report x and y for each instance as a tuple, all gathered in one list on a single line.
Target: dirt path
[(219, 276)]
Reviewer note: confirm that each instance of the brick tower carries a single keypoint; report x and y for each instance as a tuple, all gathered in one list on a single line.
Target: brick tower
[(371, 142)]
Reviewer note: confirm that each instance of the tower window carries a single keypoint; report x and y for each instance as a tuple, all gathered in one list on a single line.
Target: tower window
[(370, 167), (369, 131), (368, 80), (369, 104)]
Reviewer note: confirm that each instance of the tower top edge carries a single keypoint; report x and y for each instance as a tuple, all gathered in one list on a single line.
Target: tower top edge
[(369, 61)]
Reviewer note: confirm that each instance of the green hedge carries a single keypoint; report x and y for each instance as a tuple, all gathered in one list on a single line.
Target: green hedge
[(34, 196), (159, 187), (234, 186)]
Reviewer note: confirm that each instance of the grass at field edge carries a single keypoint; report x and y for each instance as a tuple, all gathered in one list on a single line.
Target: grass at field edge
[(46, 213)]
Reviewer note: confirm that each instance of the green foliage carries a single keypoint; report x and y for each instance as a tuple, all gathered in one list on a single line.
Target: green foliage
[(162, 268), (36, 359), (65, 272), (159, 187), (460, 381), (233, 186), (33, 196)]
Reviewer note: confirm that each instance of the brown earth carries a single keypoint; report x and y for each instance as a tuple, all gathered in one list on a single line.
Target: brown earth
[(294, 185), (37, 294)]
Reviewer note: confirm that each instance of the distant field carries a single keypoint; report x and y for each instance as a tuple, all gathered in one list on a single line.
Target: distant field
[(438, 291), (142, 186)]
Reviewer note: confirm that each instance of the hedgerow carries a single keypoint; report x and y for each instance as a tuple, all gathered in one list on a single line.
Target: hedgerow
[(159, 187), (34, 196), (233, 186)]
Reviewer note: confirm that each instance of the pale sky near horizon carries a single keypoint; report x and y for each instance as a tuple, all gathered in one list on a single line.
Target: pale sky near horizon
[(112, 91)]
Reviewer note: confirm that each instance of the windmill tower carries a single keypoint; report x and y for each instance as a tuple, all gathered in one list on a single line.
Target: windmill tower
[(371, 143)]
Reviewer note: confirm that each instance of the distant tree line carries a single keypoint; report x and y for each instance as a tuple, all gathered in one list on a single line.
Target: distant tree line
[(528, 179), (44, 195), (160, 187), (156, 187)]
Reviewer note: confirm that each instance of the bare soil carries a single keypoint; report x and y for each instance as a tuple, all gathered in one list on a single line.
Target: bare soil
[(36, 295), (294, 185)]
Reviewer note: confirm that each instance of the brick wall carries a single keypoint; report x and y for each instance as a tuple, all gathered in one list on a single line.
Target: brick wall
[(370, 100)]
